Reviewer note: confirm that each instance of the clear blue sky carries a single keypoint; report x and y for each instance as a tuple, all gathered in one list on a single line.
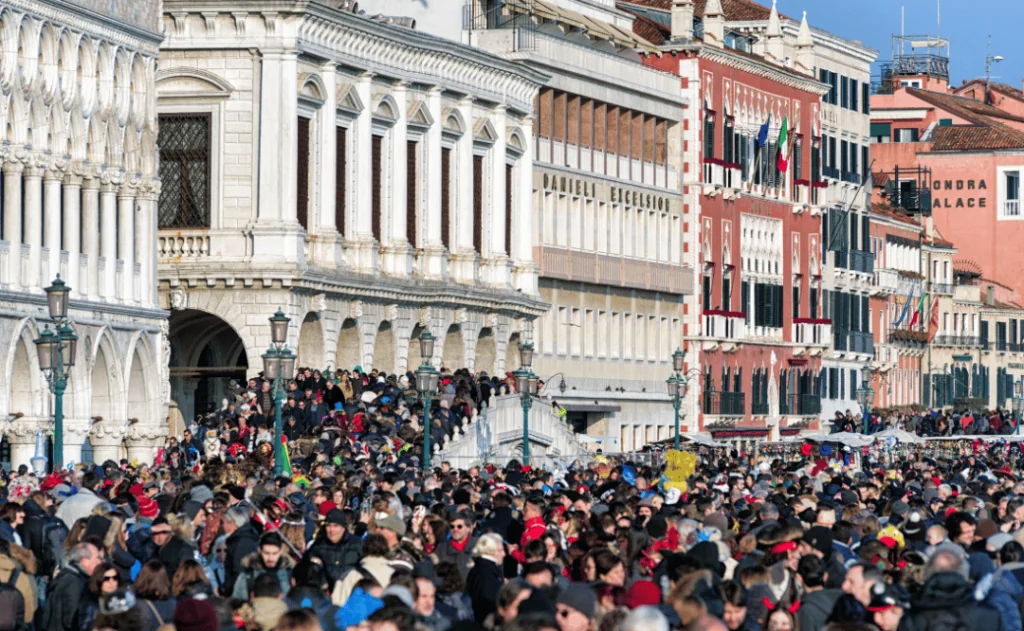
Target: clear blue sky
[(967, 24)]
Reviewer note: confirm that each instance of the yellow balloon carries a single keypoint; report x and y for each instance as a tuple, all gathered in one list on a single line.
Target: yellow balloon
[(681, 465)]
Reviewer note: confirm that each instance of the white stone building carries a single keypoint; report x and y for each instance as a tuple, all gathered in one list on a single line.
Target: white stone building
[(608, 218), (79, 192), (369, 178)]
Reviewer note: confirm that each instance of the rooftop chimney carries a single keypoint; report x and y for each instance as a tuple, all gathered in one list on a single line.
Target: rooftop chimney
[(990, 295), (682, 19), (805, 48), (774, 46)]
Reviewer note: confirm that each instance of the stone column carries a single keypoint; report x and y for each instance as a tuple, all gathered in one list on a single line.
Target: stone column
[(22, 438), (106, 438), (522, 238), (75, 433), (434, 258), (12, 220), (496, 260), (73, 231), (33, 205), (465, 258), (145, 241), (91, 235), (108, 239), (362, 246), (327, 245), (52, 181), (126, 239), (277, 235), (143, 441), (396, 250)]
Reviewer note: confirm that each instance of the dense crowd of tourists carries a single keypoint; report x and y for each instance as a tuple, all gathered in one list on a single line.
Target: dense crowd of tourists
[(355, 536)]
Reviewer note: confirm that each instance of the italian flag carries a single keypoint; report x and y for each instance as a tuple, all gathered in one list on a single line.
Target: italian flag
[(919, 312), (783, 160)]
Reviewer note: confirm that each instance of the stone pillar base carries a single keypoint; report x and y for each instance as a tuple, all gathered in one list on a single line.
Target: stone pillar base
[(434, 262), (464, 267), (106, 438), (524, 277), (326, 250), (278, 242), (363, 254), (396, 260), (497, 272)]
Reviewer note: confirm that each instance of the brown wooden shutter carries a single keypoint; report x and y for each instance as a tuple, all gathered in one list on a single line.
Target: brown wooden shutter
[(508, 209), (377, 156), (446, 182), (478, 203), (340, 176), (302, 188), (412, 151)]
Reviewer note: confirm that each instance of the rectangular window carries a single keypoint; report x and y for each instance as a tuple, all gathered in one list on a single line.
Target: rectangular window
[(833, 94), (726, 293), (844, 101), (796, 301), (823, 77), (340, 178), (905, 135), (184, 145), (853, 94), (798, 158), (302, 175), (832, 153), (411, 181), (844, 163), (709, 134), (376, 183), (1010, 206), (446, 198), (813, 303), (508, 209), (706, 293), (745, 300), (865, 164), (865, 98), (727, 140), (478, 203)]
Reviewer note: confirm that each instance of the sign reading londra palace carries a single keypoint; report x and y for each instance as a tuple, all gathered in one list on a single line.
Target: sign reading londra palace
[(597, 190)]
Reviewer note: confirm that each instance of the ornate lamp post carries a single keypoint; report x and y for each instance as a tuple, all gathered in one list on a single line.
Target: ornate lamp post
[(677, 387), (278, 367), (57, 350), (1018, 403), (426, 383), (865, 394), (526, 384)]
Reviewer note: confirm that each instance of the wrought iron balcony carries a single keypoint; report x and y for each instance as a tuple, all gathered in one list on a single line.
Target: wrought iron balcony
[(862, 261), (725, 404), (966, 341)]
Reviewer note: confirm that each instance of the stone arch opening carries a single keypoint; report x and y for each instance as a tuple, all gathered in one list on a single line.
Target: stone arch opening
[(206, 355), (311, 343), (22, 399), (384, 348), (453, 354), (350, 347), (138, 389), (512, 353), (102, 388), (486, 352)]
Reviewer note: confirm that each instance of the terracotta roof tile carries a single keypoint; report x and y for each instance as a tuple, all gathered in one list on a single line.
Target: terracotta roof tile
[(647, 28), (735, 10), (972, 110), (976, 137), (885, 210), (1005, 88)]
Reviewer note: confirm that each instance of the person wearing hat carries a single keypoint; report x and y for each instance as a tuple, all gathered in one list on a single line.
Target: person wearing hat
[(575, 607), (888, 602), (195, 615), (337, 549), (402, 554)]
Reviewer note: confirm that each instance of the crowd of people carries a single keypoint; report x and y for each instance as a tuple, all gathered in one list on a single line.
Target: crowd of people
[(356, 536), (932, 423)]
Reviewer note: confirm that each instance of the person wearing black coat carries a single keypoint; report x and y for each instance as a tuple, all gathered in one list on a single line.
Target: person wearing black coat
[(39, 525), (486, 577), (241, 542), (335, 547), (65, 592), (946, 601)]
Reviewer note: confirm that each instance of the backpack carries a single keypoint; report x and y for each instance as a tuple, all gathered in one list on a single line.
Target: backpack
[(12, 604), (54, 534)]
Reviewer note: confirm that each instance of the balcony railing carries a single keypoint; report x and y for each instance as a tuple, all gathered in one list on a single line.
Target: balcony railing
[(800, 405), (1011, 208), (862, 343), (967, 341), (886, 280), (861, 261), (728, 325), (721, 174), (759, 408), (811, 331), (725, 404), (943, 288)]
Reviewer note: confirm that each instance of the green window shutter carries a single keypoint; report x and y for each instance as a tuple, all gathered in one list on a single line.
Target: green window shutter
[(881, 129)]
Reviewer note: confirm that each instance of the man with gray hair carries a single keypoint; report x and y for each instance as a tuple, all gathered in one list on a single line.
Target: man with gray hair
[(947, 599), (241, 542), (65, 592), (648, 618)]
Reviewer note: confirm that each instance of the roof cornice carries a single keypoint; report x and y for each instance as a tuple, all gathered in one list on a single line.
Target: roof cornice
[(762, 69)]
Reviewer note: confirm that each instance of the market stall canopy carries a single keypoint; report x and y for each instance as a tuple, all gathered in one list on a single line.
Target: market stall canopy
[(848, 439), (901, 435), (703, 441)]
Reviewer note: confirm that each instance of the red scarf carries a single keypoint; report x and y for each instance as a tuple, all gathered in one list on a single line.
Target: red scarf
[(459, 545)]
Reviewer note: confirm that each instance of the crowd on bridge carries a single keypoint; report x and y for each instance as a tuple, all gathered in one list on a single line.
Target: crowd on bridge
[(932, 423), (354, 535)]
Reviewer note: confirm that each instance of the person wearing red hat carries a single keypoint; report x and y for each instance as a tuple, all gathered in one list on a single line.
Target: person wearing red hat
[(642, 593), (195, 615)]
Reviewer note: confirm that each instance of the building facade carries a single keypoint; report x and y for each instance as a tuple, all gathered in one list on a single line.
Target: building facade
[(79, 200), (371, 179), (609, 219), (755, 332)]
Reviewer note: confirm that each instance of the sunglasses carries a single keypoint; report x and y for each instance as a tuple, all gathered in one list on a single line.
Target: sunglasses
[(110, 578), (457, 527)]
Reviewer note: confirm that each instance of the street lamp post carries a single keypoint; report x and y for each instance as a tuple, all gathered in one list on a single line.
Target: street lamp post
[(1018, 403), (526, 384), (57, 350), (677, 387), (278, 365), (426, 383), (865, 394)]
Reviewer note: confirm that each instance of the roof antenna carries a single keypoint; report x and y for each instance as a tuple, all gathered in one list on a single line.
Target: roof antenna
[(938, 10), (989, 60)]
